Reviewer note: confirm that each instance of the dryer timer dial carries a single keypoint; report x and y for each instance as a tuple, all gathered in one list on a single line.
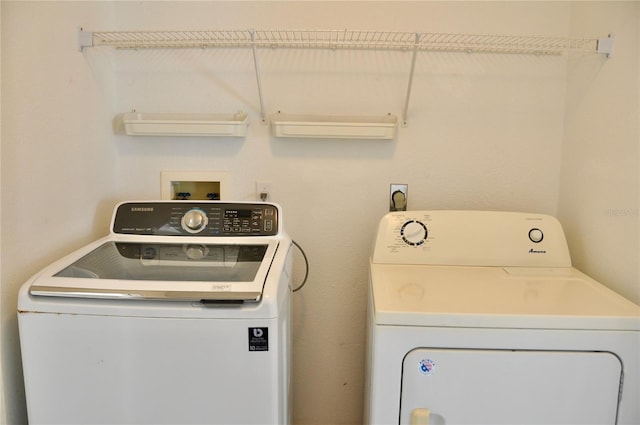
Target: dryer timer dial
[(414, 232)]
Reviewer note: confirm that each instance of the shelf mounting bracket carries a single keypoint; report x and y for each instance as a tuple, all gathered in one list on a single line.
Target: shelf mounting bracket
[(411, 72), (605, 45), (258, 81), (85, 39)]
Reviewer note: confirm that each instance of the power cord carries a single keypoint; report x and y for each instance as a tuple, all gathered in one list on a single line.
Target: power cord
[(306, 263)]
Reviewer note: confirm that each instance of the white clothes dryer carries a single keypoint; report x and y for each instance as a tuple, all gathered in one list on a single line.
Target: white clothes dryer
[(181, 315), (478, 317)]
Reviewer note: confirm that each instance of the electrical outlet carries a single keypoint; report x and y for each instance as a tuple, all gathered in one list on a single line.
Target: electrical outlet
[(263, 190), (398, 197)]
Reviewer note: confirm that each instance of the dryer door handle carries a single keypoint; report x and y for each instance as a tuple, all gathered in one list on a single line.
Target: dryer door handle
[(419, 417)]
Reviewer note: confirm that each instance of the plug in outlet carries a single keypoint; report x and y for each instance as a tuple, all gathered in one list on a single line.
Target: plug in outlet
[(263, 190), (398, 197)]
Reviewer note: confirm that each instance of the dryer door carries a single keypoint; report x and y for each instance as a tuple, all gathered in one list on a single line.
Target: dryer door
[(464, 386)]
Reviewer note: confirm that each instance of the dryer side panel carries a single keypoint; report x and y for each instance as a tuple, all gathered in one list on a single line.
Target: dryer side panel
[(467, 386)]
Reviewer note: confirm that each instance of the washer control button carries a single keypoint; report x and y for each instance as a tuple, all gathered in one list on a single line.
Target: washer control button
[(194, 221), (414, 233), (536, 235)]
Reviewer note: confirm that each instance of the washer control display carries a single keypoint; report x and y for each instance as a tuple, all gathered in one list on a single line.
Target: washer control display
[(414, 232), (185, 218)]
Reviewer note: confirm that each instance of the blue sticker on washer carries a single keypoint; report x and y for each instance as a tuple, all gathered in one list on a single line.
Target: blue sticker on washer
[(427, 366)]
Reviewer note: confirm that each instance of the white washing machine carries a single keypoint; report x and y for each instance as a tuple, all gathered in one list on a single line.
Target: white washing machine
[(479, 318), (181, 315)]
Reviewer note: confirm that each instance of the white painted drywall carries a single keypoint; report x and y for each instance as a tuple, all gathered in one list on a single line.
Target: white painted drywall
[(600, 181), (58, 158), (485, 132)]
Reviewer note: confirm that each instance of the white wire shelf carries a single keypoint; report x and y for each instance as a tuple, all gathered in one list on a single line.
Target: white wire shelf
[(413, 42), (344, 39)]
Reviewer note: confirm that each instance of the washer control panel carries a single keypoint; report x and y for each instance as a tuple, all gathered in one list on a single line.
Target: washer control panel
[(206, 218), (480, 238)]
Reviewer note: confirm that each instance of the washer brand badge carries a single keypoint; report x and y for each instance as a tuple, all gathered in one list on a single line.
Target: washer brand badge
[(141, 209), (427, 366), (258, 339), (535, 251)]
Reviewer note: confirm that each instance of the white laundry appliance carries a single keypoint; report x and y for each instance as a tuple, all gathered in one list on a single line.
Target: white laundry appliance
[(181, 315), (479, 318)]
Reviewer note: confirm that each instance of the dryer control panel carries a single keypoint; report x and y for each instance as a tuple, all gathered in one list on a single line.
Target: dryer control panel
[(471, 238), (203, 218)]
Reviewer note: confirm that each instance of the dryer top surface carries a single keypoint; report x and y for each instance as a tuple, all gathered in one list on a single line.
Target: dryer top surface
[(497, 297)]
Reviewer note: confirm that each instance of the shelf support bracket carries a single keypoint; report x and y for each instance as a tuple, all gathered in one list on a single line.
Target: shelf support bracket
[(413, 67), (85, 39), (259, 82), (605, 45)]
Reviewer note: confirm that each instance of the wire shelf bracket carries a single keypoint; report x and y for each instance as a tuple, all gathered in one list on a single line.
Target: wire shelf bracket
[(605, 45), (256, 65)]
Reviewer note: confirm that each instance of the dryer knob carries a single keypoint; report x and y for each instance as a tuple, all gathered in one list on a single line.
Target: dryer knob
[(536, 235), (414, 232), (194, 220)]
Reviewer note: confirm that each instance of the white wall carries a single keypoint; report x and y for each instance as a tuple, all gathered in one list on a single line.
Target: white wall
[(485, 132), (600, 181), (58, 158)]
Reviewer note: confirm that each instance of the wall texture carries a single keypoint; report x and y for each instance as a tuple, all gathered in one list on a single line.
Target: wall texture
[(600, 181), (58, 158), (485, 132)]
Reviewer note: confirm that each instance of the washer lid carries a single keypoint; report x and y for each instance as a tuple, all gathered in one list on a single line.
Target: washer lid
[(497, 297), (229, 272)]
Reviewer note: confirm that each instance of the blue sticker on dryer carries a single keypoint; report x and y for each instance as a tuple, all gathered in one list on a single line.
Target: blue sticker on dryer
[(427, 366)]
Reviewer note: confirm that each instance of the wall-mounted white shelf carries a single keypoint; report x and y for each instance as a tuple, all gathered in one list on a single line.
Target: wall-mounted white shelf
[(334, 127), (343, 39), (205, 125), (346, 39)]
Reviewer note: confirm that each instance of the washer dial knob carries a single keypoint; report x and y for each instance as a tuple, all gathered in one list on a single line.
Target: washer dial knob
[(414, 232), (194, 221)]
